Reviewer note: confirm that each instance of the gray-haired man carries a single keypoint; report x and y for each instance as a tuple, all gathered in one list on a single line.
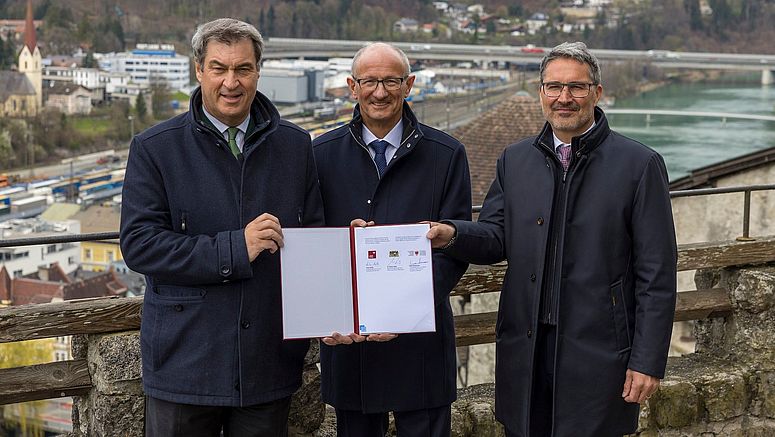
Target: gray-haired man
[(205, 196), (582, 214)]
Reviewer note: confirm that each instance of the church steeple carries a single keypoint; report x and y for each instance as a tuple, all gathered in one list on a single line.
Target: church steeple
[(30, 39), (30, 61)]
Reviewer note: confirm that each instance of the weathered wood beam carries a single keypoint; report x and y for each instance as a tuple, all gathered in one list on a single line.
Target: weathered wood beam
[(479, 328), (69, 378), (484, 279), (44, 381), (112, 315), (726, 254), (702, 304), (481, 279), (85, 316)]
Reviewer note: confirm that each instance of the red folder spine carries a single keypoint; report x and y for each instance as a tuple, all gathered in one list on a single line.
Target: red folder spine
[(354, 275)]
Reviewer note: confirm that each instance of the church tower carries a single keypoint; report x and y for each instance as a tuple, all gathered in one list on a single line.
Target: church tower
[(30, 61)]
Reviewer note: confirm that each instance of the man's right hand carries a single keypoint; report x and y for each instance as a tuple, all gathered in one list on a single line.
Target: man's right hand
[(263, 233), (337, 338), (440, 234)]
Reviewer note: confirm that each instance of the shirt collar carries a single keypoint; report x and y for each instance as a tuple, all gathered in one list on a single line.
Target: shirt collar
[(558, 142), (243, 127), (393, 137)]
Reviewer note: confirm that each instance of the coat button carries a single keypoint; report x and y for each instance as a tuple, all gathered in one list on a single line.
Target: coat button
[(368, 202), (225, 270), (533, 277), (245, 324), (178, 307), (540, 221), (236, 386), (529, 333)]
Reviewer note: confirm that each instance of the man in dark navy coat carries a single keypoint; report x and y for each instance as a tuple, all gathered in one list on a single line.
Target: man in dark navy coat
[(385, 167), (204, 199), (582, 214)]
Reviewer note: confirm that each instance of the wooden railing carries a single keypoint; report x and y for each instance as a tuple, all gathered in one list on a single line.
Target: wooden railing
[(107, 315)]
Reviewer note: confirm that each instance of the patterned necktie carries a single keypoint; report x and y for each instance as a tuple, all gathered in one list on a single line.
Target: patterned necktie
[(379, 147), (563, 152), (233, 141)]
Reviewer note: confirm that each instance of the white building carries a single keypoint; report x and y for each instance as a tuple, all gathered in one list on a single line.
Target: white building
[(150, 63), (91, 78), (100, 83), (23, 260)]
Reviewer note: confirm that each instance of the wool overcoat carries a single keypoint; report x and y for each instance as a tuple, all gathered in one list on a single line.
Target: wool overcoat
[(614, 258), (426, 180), (211, 329)]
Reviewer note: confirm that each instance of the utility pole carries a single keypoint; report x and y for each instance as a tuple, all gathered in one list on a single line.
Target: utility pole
[(448, 92), (30, 149)]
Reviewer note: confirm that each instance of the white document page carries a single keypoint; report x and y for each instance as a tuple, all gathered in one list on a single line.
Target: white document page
[(317, 295), (395, 279)]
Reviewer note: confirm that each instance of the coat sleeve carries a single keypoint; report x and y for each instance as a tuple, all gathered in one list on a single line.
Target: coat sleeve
[(150, 245), (483, 242), (455, 204), (654, 268)]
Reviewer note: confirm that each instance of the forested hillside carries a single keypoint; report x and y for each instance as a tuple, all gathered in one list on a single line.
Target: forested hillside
[(109, 25)]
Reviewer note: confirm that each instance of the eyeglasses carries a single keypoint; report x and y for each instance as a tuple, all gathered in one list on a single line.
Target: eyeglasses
[(390, 83), (576, 89)]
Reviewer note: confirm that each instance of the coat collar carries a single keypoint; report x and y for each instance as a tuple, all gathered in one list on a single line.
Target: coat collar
[(580, 145), (264, 117)]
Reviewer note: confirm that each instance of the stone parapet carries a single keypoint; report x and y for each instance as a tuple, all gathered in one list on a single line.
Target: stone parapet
[(726, 388)]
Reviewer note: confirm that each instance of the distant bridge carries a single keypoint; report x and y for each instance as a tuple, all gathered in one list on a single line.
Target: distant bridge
[(301, 48), (722, 115)]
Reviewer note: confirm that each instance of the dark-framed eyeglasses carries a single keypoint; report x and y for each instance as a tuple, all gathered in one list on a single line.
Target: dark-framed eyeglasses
[(390, 83), (576, 89)]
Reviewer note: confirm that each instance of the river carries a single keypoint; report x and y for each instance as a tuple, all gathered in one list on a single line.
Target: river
[(688, 143)]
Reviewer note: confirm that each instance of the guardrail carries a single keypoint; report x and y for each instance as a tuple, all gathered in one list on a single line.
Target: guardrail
[(108, 315)]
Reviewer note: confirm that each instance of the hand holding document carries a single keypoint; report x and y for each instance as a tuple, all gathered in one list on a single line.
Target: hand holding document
[(377, 279)]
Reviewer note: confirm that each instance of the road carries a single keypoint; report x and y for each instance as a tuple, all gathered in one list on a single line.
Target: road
[(65, 167), (299, 47)]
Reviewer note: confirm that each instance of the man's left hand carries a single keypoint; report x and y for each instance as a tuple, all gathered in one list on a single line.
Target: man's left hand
[(638, 387)]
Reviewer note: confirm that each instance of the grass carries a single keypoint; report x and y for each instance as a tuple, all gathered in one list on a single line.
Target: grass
[(91, 126)]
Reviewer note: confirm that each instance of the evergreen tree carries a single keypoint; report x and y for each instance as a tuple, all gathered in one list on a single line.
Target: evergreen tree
[(140, 107), (695, 16), (270, 21), (89, 61), (5, 60)]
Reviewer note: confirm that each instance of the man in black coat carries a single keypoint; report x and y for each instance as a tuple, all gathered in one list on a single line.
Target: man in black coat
[(204, 199), (583, 216), (385, 167)]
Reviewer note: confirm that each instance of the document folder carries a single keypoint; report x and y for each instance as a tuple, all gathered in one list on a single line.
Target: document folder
[(377, 279)]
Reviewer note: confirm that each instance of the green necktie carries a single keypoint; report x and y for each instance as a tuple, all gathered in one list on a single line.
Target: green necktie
[(233, 141)]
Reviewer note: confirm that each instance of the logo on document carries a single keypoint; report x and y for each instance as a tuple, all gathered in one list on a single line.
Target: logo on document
[(372, 254)]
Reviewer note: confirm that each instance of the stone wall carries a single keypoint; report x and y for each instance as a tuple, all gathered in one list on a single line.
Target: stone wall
[(726, 388)]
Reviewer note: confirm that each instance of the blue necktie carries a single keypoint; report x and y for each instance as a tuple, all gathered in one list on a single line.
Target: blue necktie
[(379, 147)]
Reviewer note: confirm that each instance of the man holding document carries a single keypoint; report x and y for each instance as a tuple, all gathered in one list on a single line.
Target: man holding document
[(387, 168)]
